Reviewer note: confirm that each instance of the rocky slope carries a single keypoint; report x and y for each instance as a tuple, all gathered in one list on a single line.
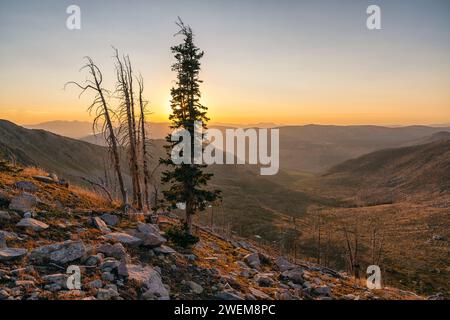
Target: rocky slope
[(45, 227)]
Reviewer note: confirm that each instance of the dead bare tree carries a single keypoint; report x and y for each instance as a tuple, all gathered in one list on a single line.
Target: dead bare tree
[(103, 121), (352, 251), (101, 186), (145, 156), (127, 116)]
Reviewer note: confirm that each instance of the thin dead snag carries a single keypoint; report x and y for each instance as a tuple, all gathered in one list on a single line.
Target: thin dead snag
[(143, 138), (103, 121), (352, 251), (101, 186), (128, 122)]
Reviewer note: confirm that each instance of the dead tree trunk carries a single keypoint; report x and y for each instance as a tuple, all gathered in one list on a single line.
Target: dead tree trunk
[(103, 118), (145, 155), (125, 90)]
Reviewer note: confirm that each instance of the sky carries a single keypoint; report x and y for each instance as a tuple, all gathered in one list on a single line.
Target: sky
[(285, 62)]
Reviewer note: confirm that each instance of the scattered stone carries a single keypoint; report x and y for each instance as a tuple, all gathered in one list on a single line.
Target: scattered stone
[(31, 223), (438, 237), (107, 294), (23, 203), (108, 276), (8, 254), (109, 265), (284, 265), (148, 279), (228, 295), (150, 235), (26, 186), (252, 260), (195, 287), (96, 284), (62, 252), (95, 260), (58, 279), (4, 216), (123, 238), (101, 225), (110, 219), (294, 275), (116, 251), (264, 280), (164, 250), (28, 214), (323, 291), (258, 294)]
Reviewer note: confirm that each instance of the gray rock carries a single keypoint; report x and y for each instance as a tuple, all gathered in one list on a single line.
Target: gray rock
[(28, 214), (23, 203), (252, 260), (31, 223), (228, 295), (94, 260), (62, 252), (101, 225), (110, 219), (117, 250), (96, 284), (4, 216), (58, 279), (294, 275), (195, 287), (148, 279), (123, 238), (258, 294), (264, 280), (164, 250), (150, 235), (26, 186), (107, 294), (108, 276), (323, 291), (8, 254), (284, 265), (109, 264)]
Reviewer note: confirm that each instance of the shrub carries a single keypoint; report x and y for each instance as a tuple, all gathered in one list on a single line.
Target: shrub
[(180, 236)]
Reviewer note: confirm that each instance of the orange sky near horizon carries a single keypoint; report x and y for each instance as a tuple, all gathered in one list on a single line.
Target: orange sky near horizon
[(283, 62)]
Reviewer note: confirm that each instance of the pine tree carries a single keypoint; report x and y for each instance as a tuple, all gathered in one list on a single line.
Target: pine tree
[(187, 180)]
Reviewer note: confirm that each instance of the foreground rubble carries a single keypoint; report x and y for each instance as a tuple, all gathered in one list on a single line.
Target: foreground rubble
[(47, 229)]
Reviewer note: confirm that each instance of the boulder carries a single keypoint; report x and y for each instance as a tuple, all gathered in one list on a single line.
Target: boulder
[(62, 252), (150, 235), (116, 250), (323, 291), (164, 250), (284, 265), (8, 254), (107, 294), (146, 278), (123, 238), (264, 279), (195, 287), (110, 219), (31, 223), (101, 225), (27, 186), (23, 203), (294, 275), (252, 260), (58, 279)]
